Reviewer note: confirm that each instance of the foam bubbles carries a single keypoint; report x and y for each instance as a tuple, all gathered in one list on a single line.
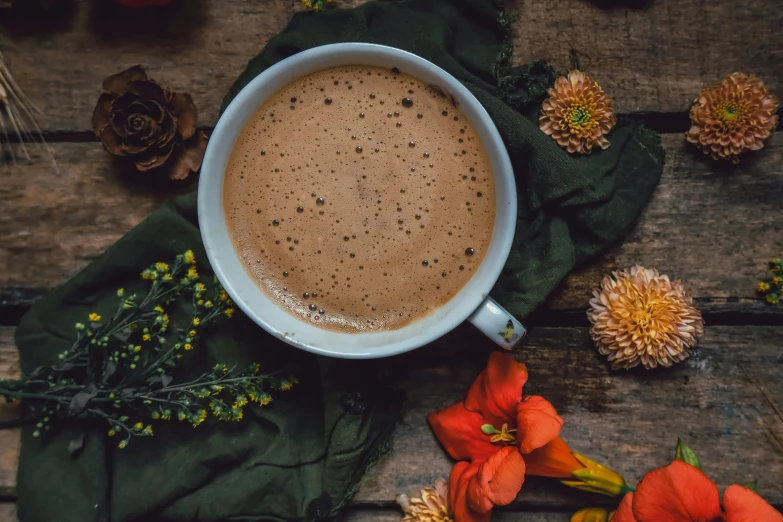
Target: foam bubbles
[(323, 224)]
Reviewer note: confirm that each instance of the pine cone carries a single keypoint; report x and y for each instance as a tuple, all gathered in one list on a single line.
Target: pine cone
[(138, 118)]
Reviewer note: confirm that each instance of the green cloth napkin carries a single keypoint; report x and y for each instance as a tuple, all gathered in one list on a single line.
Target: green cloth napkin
[(302, 457)]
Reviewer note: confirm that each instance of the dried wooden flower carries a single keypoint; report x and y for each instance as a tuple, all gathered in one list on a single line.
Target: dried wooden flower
[(641, 317), (732, 117), (577, 114), (154, 126)]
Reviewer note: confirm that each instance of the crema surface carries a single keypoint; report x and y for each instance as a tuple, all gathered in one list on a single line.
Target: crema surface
[(359, 199)]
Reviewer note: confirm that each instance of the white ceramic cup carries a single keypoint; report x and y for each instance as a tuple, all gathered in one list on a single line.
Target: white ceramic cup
[(472, 302)]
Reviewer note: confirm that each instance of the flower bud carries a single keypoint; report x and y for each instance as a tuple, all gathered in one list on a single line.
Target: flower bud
[(591, 515), (595, 478)]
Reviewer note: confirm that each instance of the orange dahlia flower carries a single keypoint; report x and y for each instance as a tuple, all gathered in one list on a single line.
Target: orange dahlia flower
[(577, 114), (642, 317), (734, 116), (499, 436), (680, 492)]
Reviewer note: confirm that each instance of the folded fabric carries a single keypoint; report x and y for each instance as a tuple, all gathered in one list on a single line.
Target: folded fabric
[(302, 457), (299, 457)]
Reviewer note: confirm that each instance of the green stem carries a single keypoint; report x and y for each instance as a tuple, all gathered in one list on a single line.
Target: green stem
[(38, 396)]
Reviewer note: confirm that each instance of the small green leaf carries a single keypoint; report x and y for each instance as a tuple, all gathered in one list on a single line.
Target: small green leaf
[(753, 486), (80, 400), (123, 335), (685, 454), (489, 429)]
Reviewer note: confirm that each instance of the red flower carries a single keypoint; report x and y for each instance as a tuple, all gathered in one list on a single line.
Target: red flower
[(144, 3), (680, 492), (499, 436)]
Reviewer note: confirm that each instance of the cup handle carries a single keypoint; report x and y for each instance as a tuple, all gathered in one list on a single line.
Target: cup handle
[(498, 324)]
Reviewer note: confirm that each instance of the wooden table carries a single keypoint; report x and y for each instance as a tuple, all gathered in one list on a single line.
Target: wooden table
[(714, 226)]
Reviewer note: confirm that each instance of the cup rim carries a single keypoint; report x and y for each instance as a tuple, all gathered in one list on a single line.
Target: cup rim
[(253, 301)]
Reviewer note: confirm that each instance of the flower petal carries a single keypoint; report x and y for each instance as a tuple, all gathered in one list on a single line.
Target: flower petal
[(498, 389), (181, 105), (537, 423), (552, 460), (743, 505), (677, 492), (153, 158), (148, 89), (111, 141), (119, 83), (459, 479), (625, 511), (498, 481), (459, 431), (189, 157), (101, 116)]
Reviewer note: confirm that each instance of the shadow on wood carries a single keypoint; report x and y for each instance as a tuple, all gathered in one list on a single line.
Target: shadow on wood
[(178, 21)]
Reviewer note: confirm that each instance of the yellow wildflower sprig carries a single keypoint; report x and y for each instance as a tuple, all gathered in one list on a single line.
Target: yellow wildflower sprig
[(131, 354), (772, 289), (317, 5)]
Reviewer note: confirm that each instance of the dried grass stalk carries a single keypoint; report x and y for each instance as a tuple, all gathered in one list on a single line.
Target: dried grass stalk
[(18, 118)]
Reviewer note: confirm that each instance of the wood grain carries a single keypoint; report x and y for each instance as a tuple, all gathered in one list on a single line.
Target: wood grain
[(56, 223), (9, 438), (725, 402), (715, 228), (654, 56), (7, 512)]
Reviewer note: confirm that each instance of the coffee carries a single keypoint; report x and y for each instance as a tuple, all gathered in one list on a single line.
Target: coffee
[(359, 199)]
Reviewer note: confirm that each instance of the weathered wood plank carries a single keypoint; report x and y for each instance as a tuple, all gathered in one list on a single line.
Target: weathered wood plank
[(7, 512), (725, 402), (652, 55), (66, 220), (9, 438), (654, 58), (715, 228)]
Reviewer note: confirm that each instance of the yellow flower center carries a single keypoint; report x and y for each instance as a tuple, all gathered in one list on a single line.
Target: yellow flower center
[(503, 436), (731, 113), (644, 314), (579, 115)]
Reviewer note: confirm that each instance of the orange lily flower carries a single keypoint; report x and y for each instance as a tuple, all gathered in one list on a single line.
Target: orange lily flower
[(498, 436), (680, 492)]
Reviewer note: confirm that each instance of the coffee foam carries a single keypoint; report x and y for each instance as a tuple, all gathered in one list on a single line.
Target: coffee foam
[(359, 199)]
